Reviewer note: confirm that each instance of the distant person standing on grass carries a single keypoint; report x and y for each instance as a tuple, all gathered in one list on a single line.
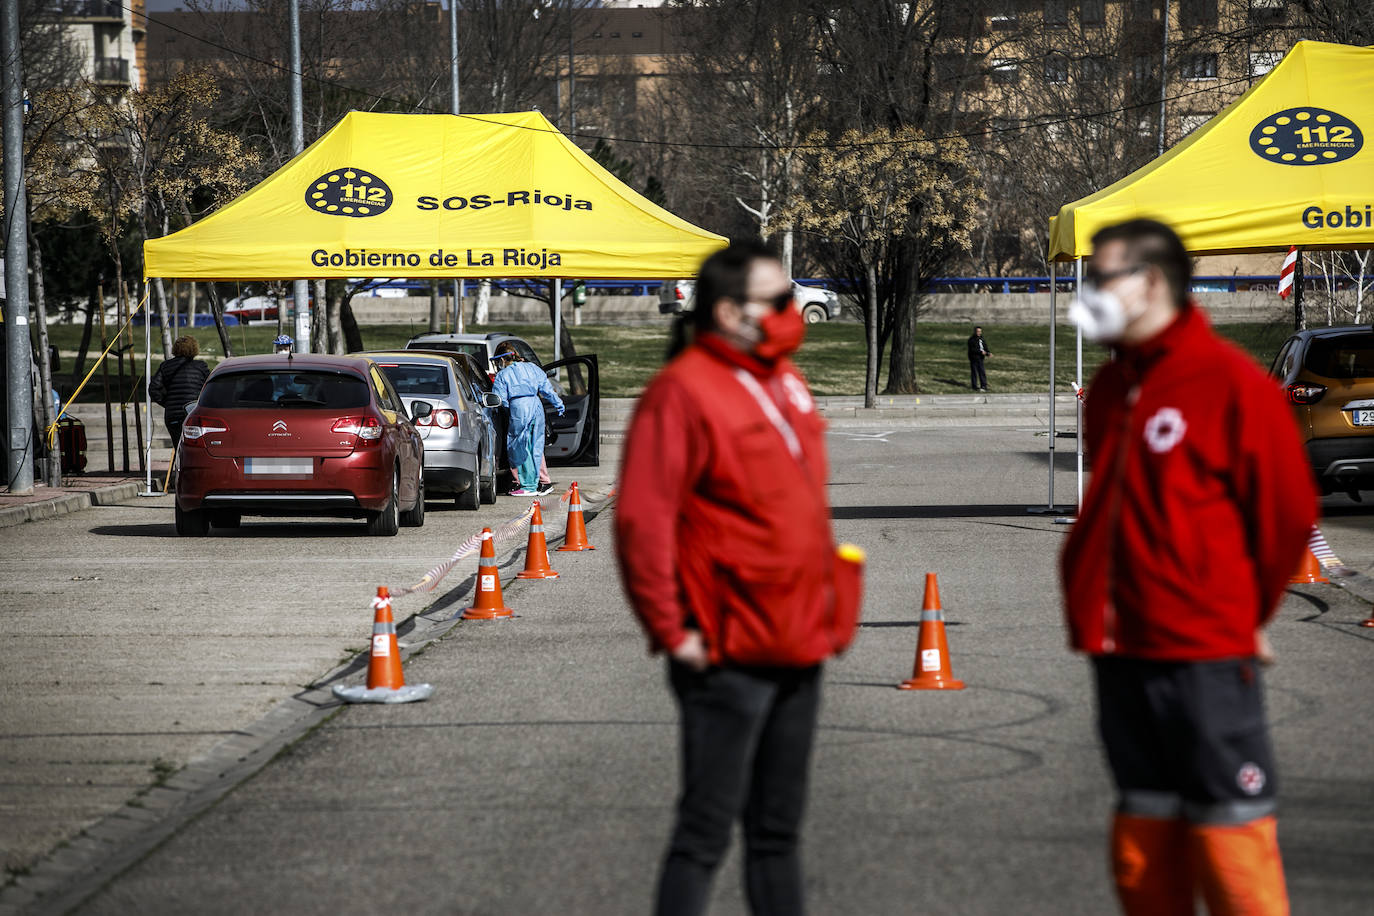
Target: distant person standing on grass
[(977, 352), (177, 382)]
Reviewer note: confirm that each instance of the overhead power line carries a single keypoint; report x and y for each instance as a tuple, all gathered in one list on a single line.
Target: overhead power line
[(1029, 124)]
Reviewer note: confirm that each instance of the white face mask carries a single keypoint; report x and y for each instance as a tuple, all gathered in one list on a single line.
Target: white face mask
[(1100, 315)]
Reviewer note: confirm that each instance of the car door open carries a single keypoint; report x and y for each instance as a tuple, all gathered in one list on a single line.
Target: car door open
[(575, 437)]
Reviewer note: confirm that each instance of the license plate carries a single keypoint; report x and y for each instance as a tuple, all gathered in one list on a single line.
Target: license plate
[(279, 467), (1363, 417)]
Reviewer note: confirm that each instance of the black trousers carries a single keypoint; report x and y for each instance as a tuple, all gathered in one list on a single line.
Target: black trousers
[(977, 377), (174, 424), (746, 750), (1187, 739)]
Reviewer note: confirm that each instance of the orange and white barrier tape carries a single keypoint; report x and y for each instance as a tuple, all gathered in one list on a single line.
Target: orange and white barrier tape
[(1322, 550), (465, 549), (510, 529)]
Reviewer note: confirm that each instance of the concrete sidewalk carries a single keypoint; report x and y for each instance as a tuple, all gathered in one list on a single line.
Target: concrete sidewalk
[(75, 494)]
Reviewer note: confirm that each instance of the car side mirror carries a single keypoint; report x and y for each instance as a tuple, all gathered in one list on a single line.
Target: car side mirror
[(491, 399), (420, 409)]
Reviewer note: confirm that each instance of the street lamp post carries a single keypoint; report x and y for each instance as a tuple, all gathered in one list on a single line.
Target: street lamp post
[(18, 358), (302, 287)]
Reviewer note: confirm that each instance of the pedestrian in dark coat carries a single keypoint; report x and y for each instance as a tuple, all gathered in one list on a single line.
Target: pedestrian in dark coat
[(177, 382), (977, 352)]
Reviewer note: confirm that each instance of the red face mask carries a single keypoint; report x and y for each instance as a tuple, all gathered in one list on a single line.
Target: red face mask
[(783, 333)]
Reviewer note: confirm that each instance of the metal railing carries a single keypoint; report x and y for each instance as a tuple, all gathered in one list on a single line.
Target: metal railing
[(88, 9), (995, 285), (111, 70)]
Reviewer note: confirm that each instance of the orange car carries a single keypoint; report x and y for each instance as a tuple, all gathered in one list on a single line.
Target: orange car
[(1328, 374)]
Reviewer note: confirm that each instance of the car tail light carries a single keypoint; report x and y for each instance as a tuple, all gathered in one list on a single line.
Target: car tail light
[(196, 429), (367, 429), (444, 419), (679, 294), (1304, 393)]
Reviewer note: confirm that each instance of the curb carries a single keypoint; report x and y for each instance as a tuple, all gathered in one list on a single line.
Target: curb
[(66, 504)]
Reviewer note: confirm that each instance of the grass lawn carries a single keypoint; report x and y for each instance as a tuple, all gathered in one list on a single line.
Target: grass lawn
[(832, 358)]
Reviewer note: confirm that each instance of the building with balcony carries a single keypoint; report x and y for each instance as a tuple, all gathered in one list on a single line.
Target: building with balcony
[(109, 37)]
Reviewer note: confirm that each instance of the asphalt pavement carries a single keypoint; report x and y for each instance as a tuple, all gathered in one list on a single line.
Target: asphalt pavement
[(541, 775)]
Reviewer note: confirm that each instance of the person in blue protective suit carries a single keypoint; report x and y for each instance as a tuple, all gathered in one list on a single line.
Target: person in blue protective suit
[(520, 385)]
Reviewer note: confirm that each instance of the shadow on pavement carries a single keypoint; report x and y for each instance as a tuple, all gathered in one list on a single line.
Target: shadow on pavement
[(294, 531), (1065, 458), (954, 511), (1348, 509)]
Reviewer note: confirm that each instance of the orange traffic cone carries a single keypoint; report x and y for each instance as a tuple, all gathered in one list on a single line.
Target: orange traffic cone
[(576, 538), (489, 604), (537, 552), (386, 683), (1309, 571), (932, 671)]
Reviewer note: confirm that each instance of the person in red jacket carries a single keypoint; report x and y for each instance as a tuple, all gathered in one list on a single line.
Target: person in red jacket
[(1198, 513), (724, 542)]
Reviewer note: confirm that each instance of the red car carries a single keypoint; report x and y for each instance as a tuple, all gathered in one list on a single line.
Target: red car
[(299, 435)]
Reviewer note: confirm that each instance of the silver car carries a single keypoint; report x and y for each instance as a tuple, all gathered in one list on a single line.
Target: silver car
[(479, 346), (458, 457)]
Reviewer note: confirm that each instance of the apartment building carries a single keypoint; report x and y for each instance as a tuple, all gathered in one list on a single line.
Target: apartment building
[(109, 38), (1074, 94)]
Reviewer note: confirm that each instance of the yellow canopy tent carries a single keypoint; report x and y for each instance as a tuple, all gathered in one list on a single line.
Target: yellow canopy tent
[(401, 195), (1285, 164)]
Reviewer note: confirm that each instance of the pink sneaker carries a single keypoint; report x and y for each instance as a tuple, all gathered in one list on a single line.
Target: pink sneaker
[(522, 492)]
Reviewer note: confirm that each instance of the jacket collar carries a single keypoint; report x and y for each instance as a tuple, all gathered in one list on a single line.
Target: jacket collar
[(726, 352), (1187, 332)]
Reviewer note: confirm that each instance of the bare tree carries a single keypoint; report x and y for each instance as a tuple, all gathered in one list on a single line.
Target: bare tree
[(875, 198), (135, 161), (1347, 283), (885, 68), (748, 81)]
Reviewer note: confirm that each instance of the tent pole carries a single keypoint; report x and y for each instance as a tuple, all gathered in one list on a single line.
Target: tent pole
[(1078, 401), (1054, 314), (1299, 317), (556, 288), (1050, 508), (148, 395), (458, 304)]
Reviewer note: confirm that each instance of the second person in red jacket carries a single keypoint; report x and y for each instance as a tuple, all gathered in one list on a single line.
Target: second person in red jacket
[(1199, 510)]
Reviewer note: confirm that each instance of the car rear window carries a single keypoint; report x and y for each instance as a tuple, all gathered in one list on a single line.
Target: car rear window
[(478, 350), (275, 388), (417, 379), (1347, 356)]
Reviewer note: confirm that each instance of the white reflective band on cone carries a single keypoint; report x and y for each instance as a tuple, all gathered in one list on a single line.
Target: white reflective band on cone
[(410, 693)]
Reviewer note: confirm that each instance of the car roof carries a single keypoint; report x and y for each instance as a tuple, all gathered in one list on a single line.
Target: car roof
[(353, 362), (1325, 333), (458, 356), (412, 356), (464, 338)]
